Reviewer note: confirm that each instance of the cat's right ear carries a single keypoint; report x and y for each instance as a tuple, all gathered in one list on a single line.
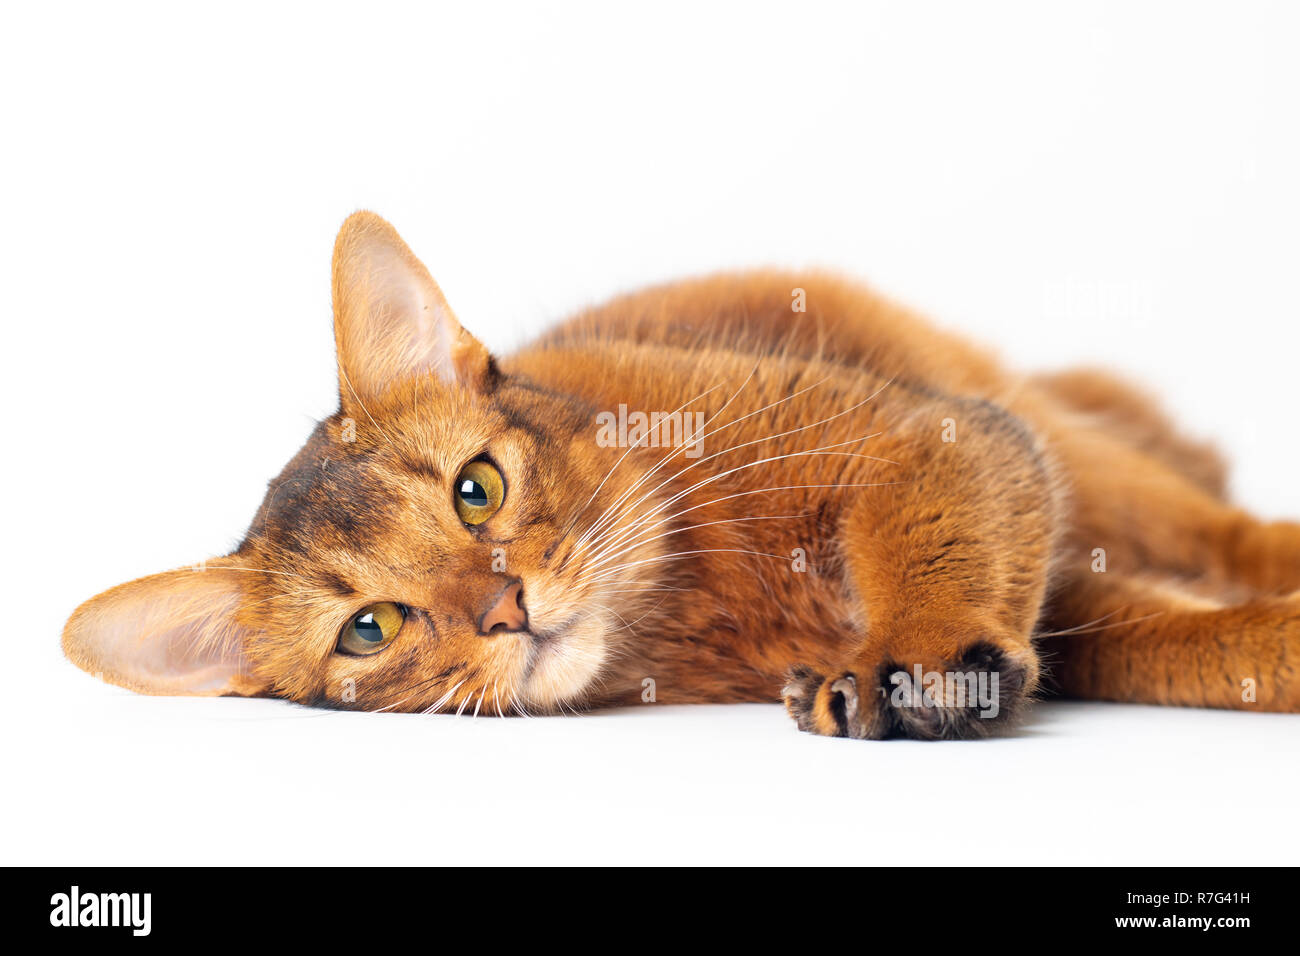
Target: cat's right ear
[(390, 318), (170, 633)]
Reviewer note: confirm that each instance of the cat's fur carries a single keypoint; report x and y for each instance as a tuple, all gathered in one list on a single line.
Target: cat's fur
[(868, 494)]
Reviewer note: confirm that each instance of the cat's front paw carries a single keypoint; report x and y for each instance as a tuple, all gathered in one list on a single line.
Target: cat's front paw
[(978, 694)]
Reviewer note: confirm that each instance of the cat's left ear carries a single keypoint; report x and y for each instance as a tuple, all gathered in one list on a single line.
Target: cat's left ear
[(390, 318), (170, 633)]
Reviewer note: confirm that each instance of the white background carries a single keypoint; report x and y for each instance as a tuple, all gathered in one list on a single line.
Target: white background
[(1071, 183)]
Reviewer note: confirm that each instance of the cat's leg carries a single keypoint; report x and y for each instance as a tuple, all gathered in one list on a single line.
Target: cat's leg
[(949, 565), (1139, 516), (1133, 639), (1129, 414)]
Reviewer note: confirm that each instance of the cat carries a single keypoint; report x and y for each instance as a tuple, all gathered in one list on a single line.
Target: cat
[(746, 487)]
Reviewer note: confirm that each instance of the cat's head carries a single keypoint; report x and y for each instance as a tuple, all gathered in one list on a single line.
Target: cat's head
[(417, 553)]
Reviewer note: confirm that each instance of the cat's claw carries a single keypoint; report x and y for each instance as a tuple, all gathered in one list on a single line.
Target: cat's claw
[(890, 705), (829, 706)]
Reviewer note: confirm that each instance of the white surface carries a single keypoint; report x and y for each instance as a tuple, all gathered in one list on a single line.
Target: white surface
[(1088, 182), (127, 779)]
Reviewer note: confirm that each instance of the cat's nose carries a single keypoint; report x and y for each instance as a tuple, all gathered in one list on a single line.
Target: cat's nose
[(507, 614)]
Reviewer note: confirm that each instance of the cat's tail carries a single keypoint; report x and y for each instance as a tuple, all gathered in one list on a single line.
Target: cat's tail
[(1136, 418), (1153, 642)]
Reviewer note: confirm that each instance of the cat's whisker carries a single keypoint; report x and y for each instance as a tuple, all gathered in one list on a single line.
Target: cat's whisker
[(637, 522), (1086, 624), (343, 372), (685, 444), (518, 705), (773, 437), (465, 702), (657, 584), (611, 471), (638, 542), (392, 706), (694, 439), (685, 554), (824, 451), (441, 701), (631, 627), (282, 594), (1086, 629), (768, 438), (615, 613), (759, 491), (600, 518), (418, 687), (643, 590)]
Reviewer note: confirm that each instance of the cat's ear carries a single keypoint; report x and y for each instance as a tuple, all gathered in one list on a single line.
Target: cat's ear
[(390, 318), (169, 633)]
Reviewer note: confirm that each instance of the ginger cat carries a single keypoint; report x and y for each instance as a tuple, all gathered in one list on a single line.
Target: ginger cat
[(735, 488)]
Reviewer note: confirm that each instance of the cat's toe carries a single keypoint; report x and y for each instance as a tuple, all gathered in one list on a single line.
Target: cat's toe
[(978, 694), (810, 702), (831, 706)]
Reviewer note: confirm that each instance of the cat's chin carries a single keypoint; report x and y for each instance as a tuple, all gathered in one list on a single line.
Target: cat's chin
[(564, 664)]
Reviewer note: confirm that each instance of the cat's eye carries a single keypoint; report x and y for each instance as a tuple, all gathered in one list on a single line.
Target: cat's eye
[(372, 629), (479, 491)]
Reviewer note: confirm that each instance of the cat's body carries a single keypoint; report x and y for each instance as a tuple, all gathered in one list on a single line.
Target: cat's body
[(851, 495)]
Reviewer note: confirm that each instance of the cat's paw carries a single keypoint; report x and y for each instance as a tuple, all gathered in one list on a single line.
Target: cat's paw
[(980, 693)]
